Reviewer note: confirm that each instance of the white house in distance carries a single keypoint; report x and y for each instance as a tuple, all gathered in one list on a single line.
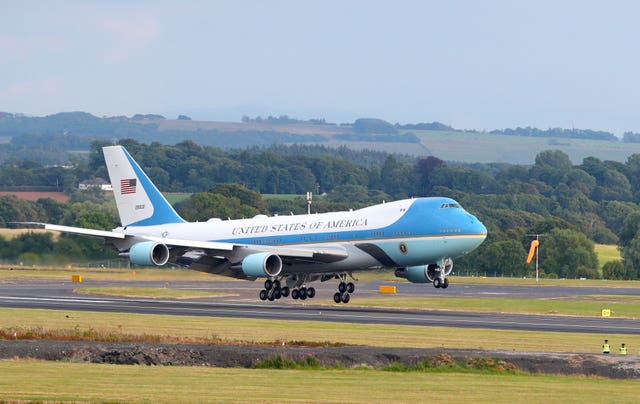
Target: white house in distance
[(95, 183)]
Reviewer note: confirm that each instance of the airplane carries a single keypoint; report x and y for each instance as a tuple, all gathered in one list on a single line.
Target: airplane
[(418, 238)]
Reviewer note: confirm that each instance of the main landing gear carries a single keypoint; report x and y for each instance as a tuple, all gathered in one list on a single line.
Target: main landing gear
[(344, 290), (303, 293), (273, 290), (295, 286)]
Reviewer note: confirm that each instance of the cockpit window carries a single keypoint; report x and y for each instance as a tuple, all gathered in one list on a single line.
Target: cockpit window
[(450, 205)]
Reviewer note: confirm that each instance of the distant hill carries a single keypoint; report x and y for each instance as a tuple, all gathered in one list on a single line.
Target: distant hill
[(57, 138)]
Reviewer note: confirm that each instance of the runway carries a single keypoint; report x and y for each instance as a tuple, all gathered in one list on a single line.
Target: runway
[(59, 295)]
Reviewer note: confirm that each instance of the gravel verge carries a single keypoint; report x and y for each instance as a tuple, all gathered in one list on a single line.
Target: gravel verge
[(245, 356)]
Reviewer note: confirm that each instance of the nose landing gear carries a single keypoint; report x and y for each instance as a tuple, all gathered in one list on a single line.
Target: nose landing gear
[(439, 273), (441, 283)]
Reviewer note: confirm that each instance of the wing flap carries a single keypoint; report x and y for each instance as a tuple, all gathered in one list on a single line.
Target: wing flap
[(210, 246)]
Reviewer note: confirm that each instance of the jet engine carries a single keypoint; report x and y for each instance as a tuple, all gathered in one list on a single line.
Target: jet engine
[(418, 274), (149, 253), (426, 273), (262, 265)]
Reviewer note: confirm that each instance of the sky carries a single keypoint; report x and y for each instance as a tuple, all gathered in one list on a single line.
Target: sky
[(471, 64)]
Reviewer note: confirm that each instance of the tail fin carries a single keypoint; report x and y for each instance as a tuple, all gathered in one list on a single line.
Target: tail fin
[(139, 202)]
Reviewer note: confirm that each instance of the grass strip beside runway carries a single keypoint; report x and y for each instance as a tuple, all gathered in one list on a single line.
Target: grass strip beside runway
[(153, 293), (198, 329), (581, 305), (56, 381)]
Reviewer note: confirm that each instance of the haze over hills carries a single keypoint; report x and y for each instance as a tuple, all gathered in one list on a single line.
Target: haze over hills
[(23, 137)]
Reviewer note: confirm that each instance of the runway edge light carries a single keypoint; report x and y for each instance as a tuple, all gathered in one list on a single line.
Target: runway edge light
[(76, 278)]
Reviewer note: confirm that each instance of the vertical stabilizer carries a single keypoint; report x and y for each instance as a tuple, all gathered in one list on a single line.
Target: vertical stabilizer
[(139, 202)]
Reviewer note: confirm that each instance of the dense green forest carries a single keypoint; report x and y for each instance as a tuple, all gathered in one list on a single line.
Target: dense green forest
[(573, 206)]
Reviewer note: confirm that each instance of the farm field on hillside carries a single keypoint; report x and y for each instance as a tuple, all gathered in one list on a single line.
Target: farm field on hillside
[(488, 148)]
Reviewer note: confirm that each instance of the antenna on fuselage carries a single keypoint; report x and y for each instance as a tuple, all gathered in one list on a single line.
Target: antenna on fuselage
[(309, 200)]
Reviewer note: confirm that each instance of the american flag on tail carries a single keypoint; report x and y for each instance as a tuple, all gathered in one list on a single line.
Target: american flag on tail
[(128, 186)]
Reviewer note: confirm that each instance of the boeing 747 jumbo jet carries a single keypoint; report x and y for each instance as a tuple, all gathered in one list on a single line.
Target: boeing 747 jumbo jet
[(418, 238)]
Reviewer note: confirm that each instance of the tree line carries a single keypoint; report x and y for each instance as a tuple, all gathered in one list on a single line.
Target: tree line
[(57, 138), (572, 206)]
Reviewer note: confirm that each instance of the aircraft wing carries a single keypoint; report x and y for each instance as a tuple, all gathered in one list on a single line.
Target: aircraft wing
[(74, 230), (217, 248), (210, 248), (110, 235), (82, 231)]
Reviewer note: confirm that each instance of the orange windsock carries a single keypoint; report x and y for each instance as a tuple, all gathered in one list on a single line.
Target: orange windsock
[(532, 250)]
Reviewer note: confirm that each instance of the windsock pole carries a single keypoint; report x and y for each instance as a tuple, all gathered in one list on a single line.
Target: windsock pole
[(537, 250), (535, 246)]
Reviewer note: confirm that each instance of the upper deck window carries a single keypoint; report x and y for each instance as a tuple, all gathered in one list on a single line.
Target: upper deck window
[(450, 205)]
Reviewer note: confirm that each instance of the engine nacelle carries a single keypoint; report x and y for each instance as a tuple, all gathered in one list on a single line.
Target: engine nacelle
[(262, 265), (149, 253), (418, 274), (426, 273)]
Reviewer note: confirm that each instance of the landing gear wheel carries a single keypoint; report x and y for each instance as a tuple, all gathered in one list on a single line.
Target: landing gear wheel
[(268, 284), (337, 298), (351, 287), (342, 287), (303, 293), (276, 284), (445, 283), (311, 293), (271, 297), (277, 293), (345, 298), (295, 294), (285, 291), (263, 294), (437, 282)]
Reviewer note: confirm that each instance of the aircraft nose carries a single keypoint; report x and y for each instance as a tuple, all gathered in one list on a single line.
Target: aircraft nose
[(481, 229), (476, 226)]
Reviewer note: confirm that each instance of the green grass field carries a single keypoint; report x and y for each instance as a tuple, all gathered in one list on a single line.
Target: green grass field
[(286, 197), (234, 330), (29, 380), (607, 253), (487, 148), (589, 306), (55, 381), (175, 197)]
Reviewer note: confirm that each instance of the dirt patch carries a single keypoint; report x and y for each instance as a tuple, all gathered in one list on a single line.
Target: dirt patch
[(34, 196), (614, 366)]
